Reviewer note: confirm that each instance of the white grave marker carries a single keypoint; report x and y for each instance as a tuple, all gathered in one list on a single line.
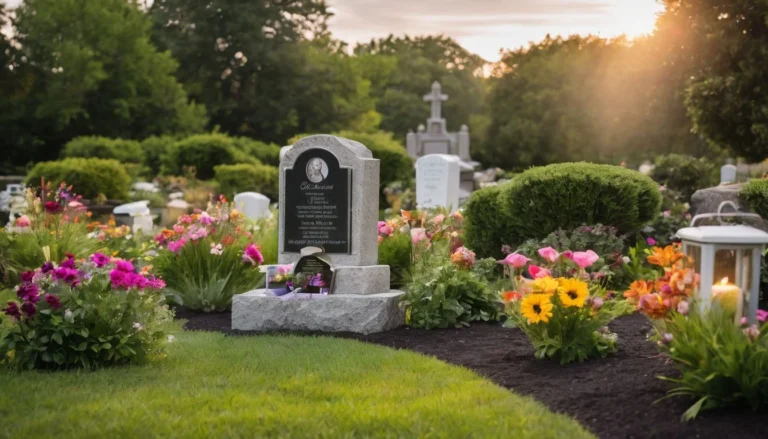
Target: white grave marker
[(437, 181), (252, 204)]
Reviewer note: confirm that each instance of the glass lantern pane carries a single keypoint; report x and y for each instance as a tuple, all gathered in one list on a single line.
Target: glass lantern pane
[(694, 255), (746, 276), (725, 266)]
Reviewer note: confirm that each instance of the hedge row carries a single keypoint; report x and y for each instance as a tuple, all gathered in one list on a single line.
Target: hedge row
[(89, 177), (244, 177), (755, 195), (567, 195)]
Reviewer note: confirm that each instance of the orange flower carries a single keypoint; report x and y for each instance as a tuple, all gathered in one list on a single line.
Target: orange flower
[(638, 289), (511, 296), (228, 240), (666, 256), (679, 282), (653, 306)]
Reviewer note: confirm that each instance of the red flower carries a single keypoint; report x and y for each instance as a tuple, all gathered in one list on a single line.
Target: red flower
[(12, 310), (53, 301), (29, 309), (53, 207)]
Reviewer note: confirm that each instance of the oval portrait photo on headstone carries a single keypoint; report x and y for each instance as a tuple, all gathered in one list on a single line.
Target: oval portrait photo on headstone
[(317, 170)]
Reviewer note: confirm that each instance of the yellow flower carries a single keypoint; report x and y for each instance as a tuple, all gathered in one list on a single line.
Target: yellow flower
[(545, 285), (573, 292), (536, 308)]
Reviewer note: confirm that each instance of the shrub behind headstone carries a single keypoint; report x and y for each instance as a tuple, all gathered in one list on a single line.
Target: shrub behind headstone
[(206, 151), (126, 151), (248, 178), (755, 195), (685, 174), (89, 177)]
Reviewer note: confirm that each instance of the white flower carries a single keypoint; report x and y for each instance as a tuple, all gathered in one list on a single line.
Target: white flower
[(171, 339), (68, 316), (626, 259), (128, 236), (216, 249), (137, 326)]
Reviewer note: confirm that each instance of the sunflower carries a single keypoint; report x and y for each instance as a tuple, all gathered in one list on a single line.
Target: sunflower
[(536, 308), (573, 292), (545, 285)]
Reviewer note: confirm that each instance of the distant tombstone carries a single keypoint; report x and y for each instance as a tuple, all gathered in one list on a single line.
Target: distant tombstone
[(437, 181), (143, 186), (646, 168), (253, 205), (143, 224), (728, 174), (176, 195), (136, 215), (132, 209)]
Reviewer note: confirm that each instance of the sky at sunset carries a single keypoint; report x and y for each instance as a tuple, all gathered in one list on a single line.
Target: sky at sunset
[(485, 26)]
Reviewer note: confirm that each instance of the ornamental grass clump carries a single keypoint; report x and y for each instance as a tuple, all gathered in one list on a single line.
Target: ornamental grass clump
[(564, 317), (85, 313), (208, 257)]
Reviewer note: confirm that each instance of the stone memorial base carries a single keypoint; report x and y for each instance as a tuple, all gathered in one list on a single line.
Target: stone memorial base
[(365, 280), (261, 310)]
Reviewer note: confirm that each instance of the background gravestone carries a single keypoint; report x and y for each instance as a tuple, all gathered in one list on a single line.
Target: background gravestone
[(437, 181), (252, 204)]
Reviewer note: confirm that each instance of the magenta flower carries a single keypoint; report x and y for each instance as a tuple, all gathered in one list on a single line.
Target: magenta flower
[(205, 219), (125, 266), (384, 229), (549, 254), (176, 246), (52, 207), (27, 276), (68, 275), (418, 234), (762, 315), (12, 310), (568, 254), (100, 259), (53, 301), (28, 292), (317, 281), (47, 267), (585, 259), (28, 308), (515, 260), (117, 278), (537, 272), (156, 283), (650, 241), (69, 262), (252, 255)]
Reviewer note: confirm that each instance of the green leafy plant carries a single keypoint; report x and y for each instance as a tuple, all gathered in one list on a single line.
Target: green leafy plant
[(755, 195), (603, 240), (127, 151), (207, 258), (395, 251), (720, 363), (444, 290), (86, 314), (204, 152), (243, 177), (684, 174), (90, 177), (268, 154), (485, 228)]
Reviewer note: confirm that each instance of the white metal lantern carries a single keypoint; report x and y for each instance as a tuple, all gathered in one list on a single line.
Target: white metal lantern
[(728, 259)]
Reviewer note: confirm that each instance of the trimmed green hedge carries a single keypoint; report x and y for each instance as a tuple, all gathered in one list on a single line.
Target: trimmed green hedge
[(685, 174), (269, 154), (566, 195), (126, 151), (243, 177), (755, 195), (158, 151), (89, 177), (205, 152)]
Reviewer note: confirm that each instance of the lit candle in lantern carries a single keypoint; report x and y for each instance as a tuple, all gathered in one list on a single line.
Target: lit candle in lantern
[(728, 296)]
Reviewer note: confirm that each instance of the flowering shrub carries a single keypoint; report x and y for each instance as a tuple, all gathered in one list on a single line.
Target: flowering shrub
[(448, 288), (563, 317), (208, 257), (88, 313)]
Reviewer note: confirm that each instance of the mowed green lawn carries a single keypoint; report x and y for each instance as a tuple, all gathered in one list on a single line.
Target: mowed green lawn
[(216, 386)]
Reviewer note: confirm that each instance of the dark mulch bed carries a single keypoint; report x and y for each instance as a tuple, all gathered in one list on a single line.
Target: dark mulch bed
[(613, 397)]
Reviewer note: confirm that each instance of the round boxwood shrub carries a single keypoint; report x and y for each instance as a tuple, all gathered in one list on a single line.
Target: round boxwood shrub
[(685, 174), (158, 152), (206, 151), (269, 154), (243, 177), (755, 195), (485, 229), (89, 177), (126, 151)]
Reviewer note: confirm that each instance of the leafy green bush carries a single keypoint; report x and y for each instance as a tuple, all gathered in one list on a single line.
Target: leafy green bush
[(158, 152), (395, 251), (485, 229), (90, 314), (89, 177), (603, 240), (755, 195), (208, 258), (720, 363), (685, 174), (127, 151), (243, 177), (443, 292), (268, 154), (206, 151)]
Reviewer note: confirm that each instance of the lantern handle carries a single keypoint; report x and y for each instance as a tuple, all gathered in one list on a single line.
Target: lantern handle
[(720, 215)]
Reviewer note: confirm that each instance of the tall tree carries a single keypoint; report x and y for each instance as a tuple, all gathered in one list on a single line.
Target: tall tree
[(263, 68), (401, 71), (90, 68), (725, 40)]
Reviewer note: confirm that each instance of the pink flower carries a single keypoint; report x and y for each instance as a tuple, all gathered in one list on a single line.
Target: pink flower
[(418, 234), (252, 255), (68, 275), (597, 303), (585, 259), (762, 315), (206, 219), (384, 229), (100, 259), (117, 278), (666, 213), (179, 229), (156, 283), (752, 333), (549, 254), (683, 307), (650, 241), (537, 272), (23, 221), (568, 254), (438, 219), (175, 246), (666, 338), (125, 266), (515, 260)]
